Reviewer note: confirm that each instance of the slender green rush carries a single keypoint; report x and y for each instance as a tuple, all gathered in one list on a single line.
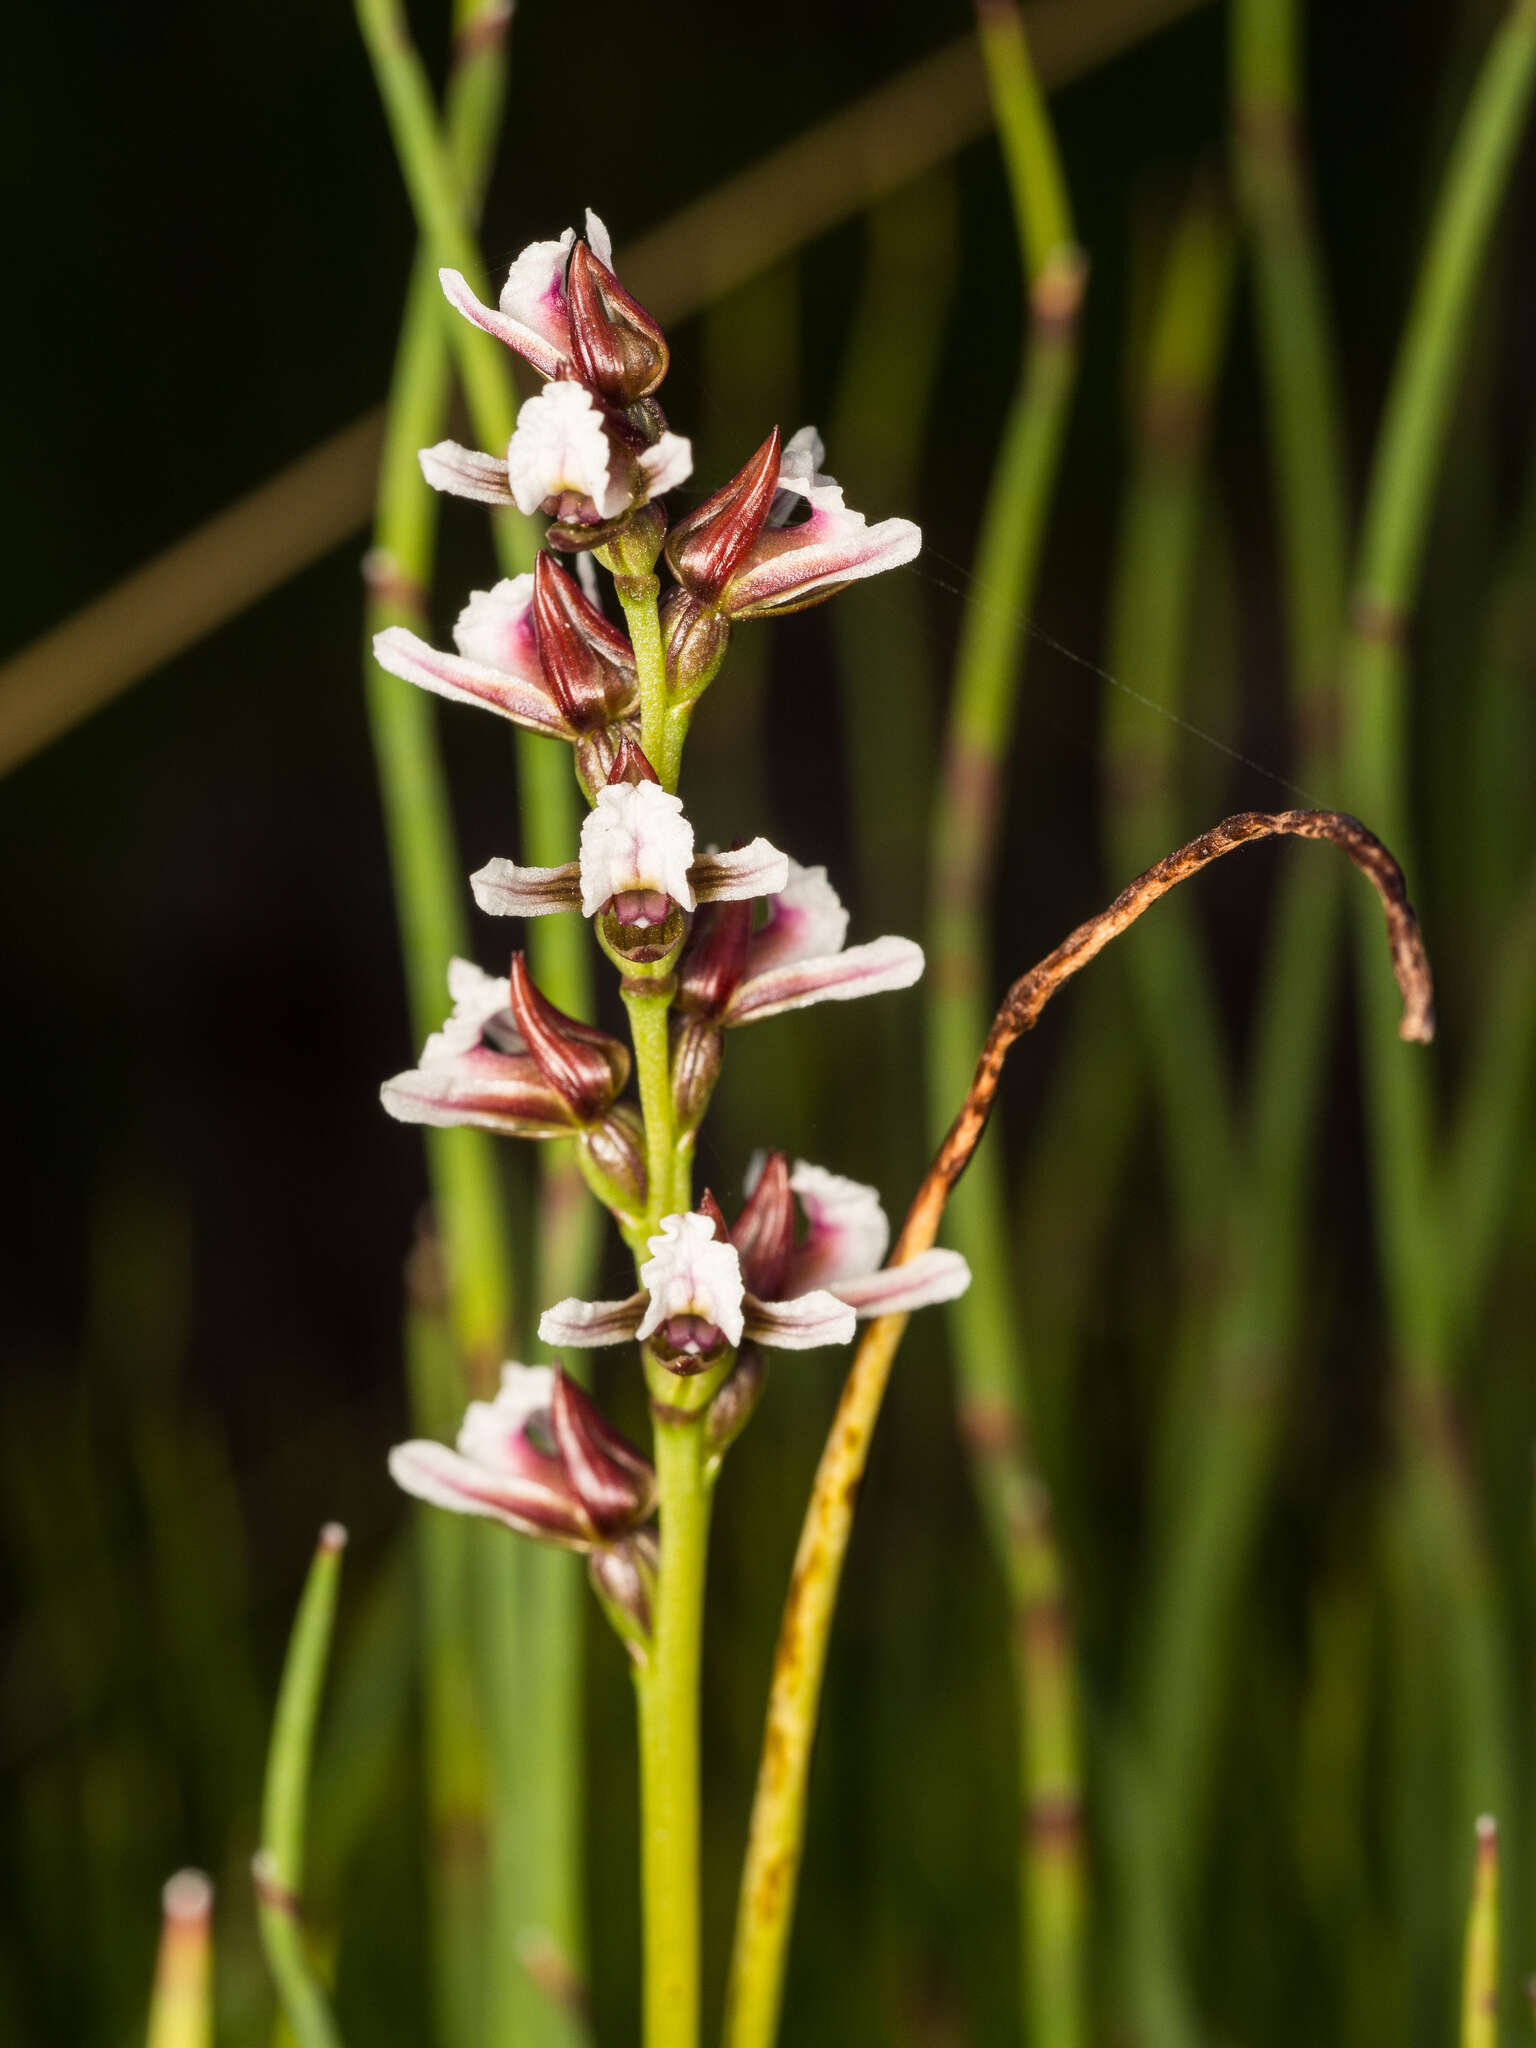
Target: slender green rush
[(279, 1863), (531, 1662), (985, 1322)]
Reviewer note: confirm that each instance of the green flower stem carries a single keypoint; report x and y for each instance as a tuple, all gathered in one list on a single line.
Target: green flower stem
[(279, 1864), (662, 729), (1452, 1570), (985, 1322), (648, 1023), (1480, 1967), (669, 1737)]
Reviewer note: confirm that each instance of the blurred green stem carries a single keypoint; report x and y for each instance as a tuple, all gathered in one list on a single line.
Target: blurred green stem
[(181, 2006), (1155, 584), (985, 1323), (1480, 1967), (1411, 1219), (531, 1661), (1218, 1504), (279, 1863)]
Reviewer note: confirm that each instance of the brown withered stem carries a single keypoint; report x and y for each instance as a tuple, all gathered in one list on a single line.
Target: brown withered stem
[(775, 1838)]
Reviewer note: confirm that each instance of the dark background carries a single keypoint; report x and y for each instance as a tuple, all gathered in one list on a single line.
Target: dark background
[(205, 1214)]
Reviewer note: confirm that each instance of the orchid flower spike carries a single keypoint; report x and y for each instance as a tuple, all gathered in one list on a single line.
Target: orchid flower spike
[(537, 651), (507, 1060), (637, 867), (541, 1458), (843, 1248), (745, 553), (694, 1305)]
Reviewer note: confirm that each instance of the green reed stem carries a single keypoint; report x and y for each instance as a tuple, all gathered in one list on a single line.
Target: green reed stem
[(536, 1870), (1398, 507), (279, 1865), (181, 2005), (887, 668), (1480, 1966), (454, 1737), (1454, 1569), (424, 857), (985, 1322), (1155, 583), (1148, 641), (886, 390), (1224, 1479)]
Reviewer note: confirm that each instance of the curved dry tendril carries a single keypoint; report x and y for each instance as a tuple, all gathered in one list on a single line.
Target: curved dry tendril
[(773, 1849)]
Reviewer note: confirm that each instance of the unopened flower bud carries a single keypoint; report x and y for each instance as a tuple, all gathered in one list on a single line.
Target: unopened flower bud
[(586, 1066), (619, 348), (764, 1232), (589, 663), (735, 1405), (705, 549), (696, 637), (596, 752), (623, 1577), (630, 764), (697, 1050), (615, 1153)]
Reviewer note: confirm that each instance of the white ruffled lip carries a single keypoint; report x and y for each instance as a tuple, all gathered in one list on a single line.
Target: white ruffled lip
[(693, 1288), (636, 844)]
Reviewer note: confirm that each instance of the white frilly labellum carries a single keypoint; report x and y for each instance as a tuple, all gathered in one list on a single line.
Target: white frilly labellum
[(561, 446), (635, 838), (691, 1272)]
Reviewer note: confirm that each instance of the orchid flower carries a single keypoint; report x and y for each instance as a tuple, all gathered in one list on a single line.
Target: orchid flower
[(731, 974), (533, 314), (540, 1458), (844, 1246), (508, 1061), (541, 656), (694, 1305), (740, 554), (637, 860)]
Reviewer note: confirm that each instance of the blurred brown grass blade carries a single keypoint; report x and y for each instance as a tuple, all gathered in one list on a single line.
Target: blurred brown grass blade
[(751, 221)]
